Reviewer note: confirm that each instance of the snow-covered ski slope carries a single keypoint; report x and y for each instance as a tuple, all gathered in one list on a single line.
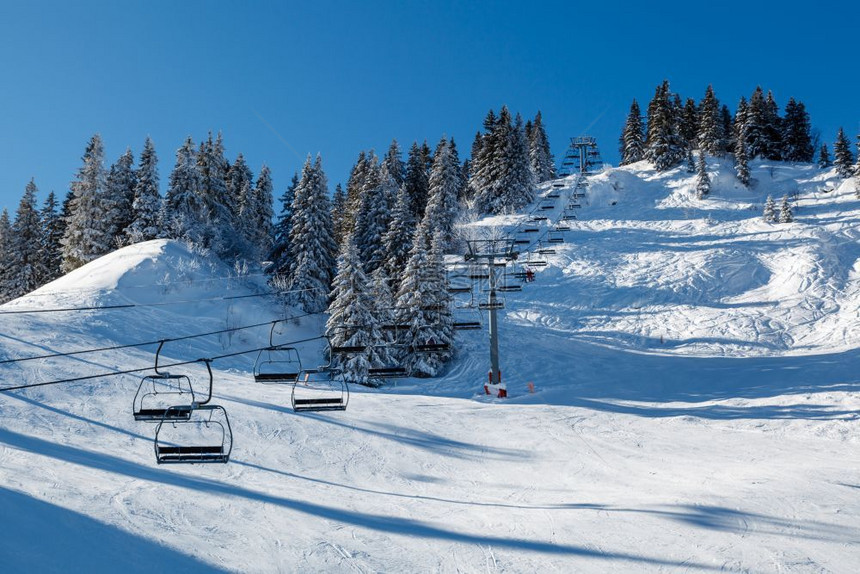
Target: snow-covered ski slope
[(696, 377)]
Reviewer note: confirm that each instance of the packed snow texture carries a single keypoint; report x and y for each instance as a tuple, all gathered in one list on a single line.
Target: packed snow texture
[(695, 407)]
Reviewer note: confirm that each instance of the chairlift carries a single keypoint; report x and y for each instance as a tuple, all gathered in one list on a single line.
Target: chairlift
[(277, 363), (163, 395), (578, 194), (547, 206), (568, 217), (554, 237), (574, 205), (538, 218), (487, 306), (562, 228), (553, 195), (522, 241), (467, 318), (204, 436), (558, 184), (320, 390)]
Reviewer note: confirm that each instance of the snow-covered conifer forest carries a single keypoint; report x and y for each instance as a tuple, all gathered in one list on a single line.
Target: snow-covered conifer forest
[(677, 339)]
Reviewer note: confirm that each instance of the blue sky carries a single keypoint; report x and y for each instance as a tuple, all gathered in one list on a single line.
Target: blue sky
[(284, 79)]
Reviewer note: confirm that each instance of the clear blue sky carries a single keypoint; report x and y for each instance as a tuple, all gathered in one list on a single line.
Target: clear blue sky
[(338, 77)]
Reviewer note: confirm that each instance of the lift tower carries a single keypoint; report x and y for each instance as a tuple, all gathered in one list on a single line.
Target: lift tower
[(495, 254), (582, 157)]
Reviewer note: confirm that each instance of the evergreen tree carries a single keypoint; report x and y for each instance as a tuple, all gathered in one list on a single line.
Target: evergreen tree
[(351, 321), (796, 138), (444, 182), (689, 127), (785, 215), (417, 181), (146, 204), (769, 214), (354, 187), (664, 147), (372, 217), (85, 238), (393, 162), (312, 240), (118, 198), (183, 214), (842, 156), (281, 255), (6, 264), (728, 134), (421, 299), (703, 182), (240, 179), (633, 136), (27, 266), (824, 157), (220, 232), (773, 129), (51, 253), (710, 135), (756, 126), (338, 214), (542, 162), (517, 177), (256, 216), (397, 241), (691, 162), (741, 158)]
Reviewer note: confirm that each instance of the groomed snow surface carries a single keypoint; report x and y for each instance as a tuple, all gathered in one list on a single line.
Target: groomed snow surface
[(696, 377)]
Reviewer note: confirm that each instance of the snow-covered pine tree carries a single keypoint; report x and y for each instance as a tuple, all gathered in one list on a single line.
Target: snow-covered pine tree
[(256, 216), (542, 162), (84, 238), (393, 161), (843, 159), (741, 158), (690, 124), (219, 211), (518, 178), (183, 213), (728, 134), (312, 240), (785, 215), (703, 181), (756, 125), (442, 206), (354, 186), (351, 321), (769, 214), (338, 214), (146, 205), (118, 198), (441, 330), (476, 164), (710, 136), (633, 136), (664, 147), (27, 266), (52, 234), (417, 181), (239, 184), (397, 241), (691, 162), (492, 197), (6, 268), (857, 166), (824, 157), (773, 129), (418, 305), (373, 216), (796, 138), (281, 255)]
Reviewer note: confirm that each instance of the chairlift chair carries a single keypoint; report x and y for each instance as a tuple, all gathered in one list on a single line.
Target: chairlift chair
[(538, 218), (554, 237), (562, 228), (163, 395), (320, 390), (277, 363), (467, 319), (558, 184), (568, 217), (547, 206), (204, 436), (553, 195)]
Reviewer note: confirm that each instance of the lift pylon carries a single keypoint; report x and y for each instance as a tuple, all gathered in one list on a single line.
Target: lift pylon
[(582, 157)]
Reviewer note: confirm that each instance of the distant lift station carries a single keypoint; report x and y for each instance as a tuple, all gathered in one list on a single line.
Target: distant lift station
[(582, 157)]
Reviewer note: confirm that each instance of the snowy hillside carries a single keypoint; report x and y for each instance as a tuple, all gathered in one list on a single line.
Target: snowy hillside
[(696, 406)]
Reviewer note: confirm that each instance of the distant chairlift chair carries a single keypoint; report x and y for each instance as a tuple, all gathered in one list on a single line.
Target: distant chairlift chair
[(320, 390), (163, 395)]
